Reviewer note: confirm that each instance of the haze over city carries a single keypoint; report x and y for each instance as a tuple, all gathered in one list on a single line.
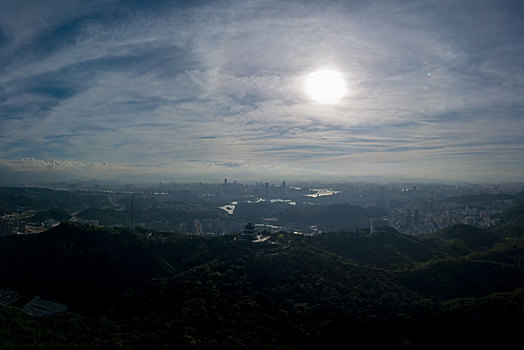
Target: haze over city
[(183, 91)]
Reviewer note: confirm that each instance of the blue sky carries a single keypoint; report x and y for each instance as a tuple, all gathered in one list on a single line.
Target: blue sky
[(196, 91)]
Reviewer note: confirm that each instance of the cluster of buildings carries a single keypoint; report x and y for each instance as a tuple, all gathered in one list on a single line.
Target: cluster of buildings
[(418, 208), (426, 218), (11, 224)]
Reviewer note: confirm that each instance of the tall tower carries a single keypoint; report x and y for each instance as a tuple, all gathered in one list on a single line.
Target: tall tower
[(371, 228), (132, 213)]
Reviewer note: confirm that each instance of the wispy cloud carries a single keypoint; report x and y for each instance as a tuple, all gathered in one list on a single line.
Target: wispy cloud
[(34, 164), (158, 87)]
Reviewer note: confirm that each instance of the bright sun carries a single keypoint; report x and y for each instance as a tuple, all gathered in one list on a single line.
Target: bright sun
[(325, 86)]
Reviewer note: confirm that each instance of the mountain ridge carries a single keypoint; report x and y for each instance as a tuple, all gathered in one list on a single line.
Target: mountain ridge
[(290, 292)]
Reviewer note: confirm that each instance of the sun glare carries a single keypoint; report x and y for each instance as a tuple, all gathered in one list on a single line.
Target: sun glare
[(326, 86)]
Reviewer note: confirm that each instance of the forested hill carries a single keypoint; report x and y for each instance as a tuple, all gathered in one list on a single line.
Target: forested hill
[(461, 286)]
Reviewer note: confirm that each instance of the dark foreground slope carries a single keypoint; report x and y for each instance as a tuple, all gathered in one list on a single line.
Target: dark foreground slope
[(125, 290)]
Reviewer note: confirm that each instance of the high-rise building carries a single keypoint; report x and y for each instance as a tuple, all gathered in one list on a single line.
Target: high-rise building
[(416, 217), (21, 226), (197, 227), (4, 227)]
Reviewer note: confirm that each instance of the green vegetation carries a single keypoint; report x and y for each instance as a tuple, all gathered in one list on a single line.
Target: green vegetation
[(106, 216), (328, 216), (459, 240), (162, 291), (55, 214), (332, 216), (385, 248)]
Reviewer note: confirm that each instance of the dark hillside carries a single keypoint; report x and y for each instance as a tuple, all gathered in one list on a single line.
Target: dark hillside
[(385, 248), (55, 214), (462, 277), (125, 290), (458, 240), (75, 265), (512, 222), (477, 271)]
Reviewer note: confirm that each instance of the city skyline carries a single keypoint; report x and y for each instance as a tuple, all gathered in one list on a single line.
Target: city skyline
[(178, 91)]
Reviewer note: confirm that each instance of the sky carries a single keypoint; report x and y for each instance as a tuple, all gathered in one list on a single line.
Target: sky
[(207, 90)]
